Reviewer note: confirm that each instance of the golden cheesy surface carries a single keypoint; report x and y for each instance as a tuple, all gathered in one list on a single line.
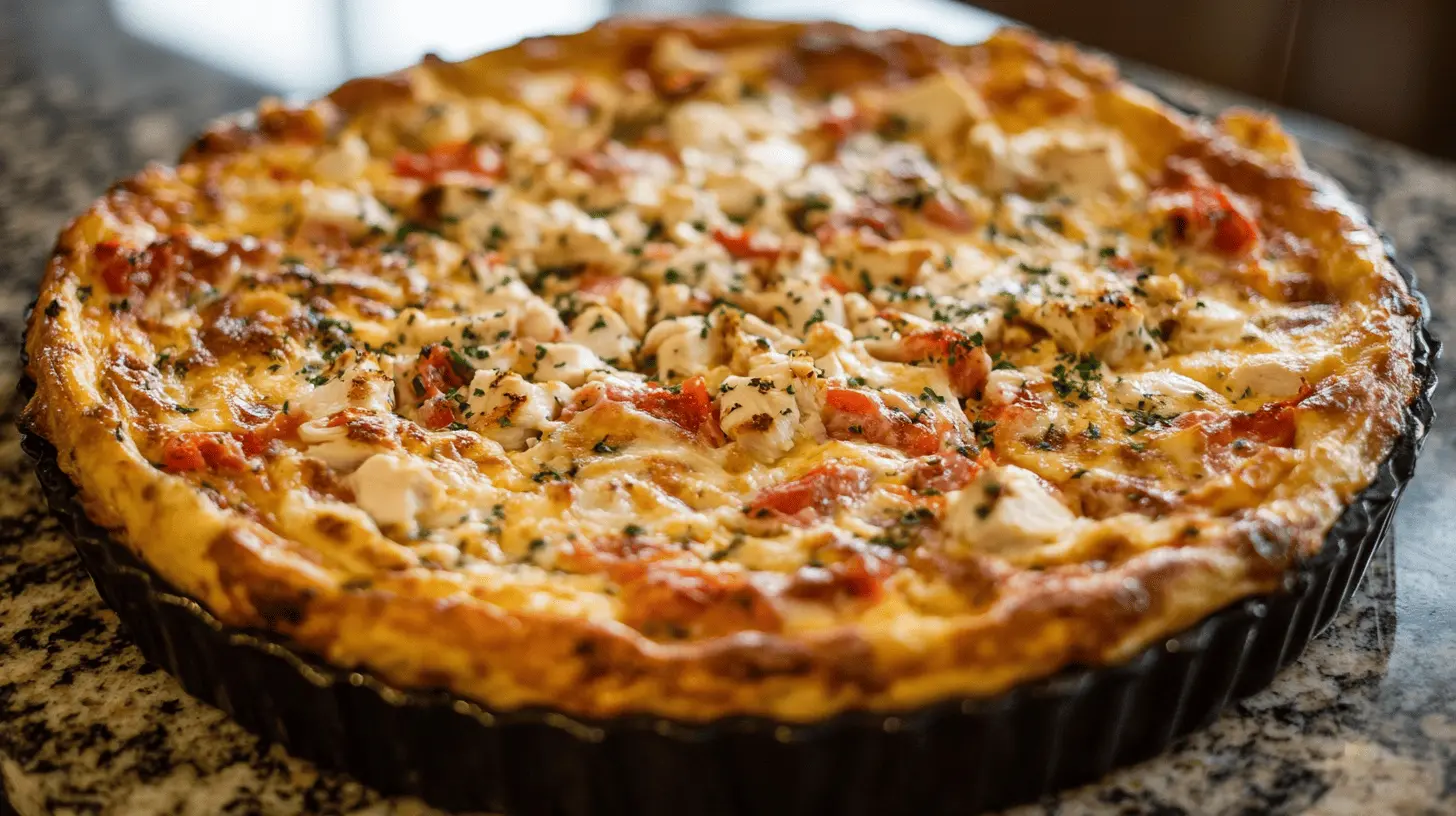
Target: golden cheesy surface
[(721, 367)]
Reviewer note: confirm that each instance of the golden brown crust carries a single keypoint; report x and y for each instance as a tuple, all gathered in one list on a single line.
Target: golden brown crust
[(360, 598)]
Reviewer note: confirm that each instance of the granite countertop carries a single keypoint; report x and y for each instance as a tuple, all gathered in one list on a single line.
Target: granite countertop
[(1365, 722)]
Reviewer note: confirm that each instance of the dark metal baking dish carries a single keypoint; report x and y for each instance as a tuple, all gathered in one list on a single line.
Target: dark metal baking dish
[(955, 757)]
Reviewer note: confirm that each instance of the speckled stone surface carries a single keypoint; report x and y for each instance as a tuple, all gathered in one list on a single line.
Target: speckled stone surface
[(1364, 723)]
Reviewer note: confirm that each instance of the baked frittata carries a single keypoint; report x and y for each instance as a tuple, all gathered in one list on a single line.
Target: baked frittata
[(718, 367)]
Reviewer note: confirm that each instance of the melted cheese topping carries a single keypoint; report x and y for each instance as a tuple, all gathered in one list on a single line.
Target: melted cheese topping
[(704, 353)]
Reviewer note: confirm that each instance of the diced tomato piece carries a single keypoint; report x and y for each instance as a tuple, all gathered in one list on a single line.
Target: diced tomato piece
[(414, 165), (968, 370), (877, 218), (812, 495), (842, 119), (581, 95), (602, 285), (467, 158), (181, 455), (195, 451), (861, 416), (281, 426), (115, 269), (838, 127), (623, 558), (851, 401), (117, 277), (658, 250), (745, 245), (437, 413), (914, 439), (442, 369), (868, 214), (1272, 426), (949, 471), (600, 165), (860, 577), (125, 270), (831, 282), (963, 358), (947, 213), (1201, 212), (1235, 233), (691, 601), (182, 259), (689, 407), (1122, 263)]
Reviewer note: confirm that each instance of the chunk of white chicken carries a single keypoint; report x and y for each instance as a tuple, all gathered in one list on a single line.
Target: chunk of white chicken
[(683, 346), (761, 412), (798, 305), (680, 300), (340, 211), (628, 297), (605, 333), (867, 264), (568, 363), (743, 189), (745, 336), (569, 236), (366, 384), (1276, 376), (504, 291), (825, 186), (1205, 323), (1004, 385), (683, 205), (345, 162), (334, 445), (414, 329), (510, 409), (707, 126), (395, 490), (938, 109), (864, 320), (1110, 326), (1162, 392), (1078, 162), (505, 124), (1007, 511), (494, 220)]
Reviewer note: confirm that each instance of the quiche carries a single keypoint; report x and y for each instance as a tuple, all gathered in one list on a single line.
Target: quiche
[(701, 368)]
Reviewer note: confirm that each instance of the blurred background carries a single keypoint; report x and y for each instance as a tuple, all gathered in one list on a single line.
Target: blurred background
[(1382, 66)]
